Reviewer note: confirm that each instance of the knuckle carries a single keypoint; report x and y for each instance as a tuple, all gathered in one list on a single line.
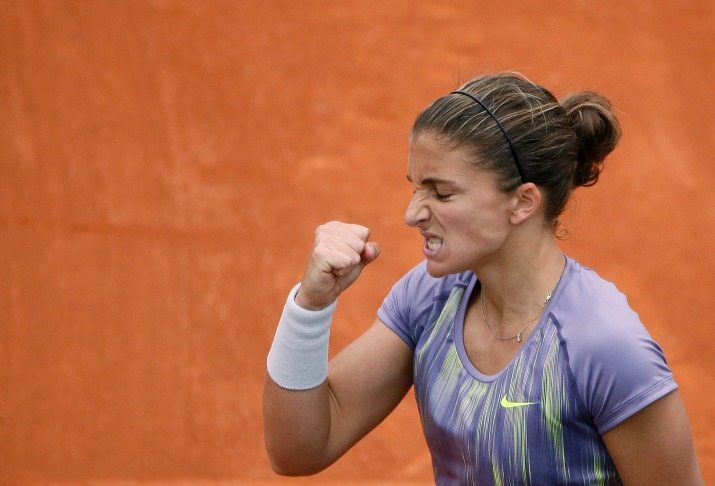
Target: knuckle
[(362, 231), (321, 229), (333, 225), (329, 228)]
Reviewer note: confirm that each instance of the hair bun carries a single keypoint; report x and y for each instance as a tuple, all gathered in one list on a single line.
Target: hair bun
[(597, 130)]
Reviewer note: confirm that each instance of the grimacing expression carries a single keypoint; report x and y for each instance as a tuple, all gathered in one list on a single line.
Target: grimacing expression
[(462, 216)]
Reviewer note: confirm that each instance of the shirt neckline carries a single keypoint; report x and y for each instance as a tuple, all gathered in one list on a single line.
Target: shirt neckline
[(462, 310)]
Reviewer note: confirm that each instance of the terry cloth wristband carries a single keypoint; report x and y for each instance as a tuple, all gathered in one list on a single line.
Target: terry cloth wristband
[(298, 359)]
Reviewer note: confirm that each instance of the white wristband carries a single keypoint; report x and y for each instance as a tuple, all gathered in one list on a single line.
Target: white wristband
[(298, 359)]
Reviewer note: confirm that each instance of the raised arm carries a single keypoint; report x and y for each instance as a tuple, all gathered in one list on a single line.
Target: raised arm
[(655, 446), (310, 422)]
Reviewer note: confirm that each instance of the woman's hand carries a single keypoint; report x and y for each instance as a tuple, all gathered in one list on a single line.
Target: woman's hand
[(339, 254)]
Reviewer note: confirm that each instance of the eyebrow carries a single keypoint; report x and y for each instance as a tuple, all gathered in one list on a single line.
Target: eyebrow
[(432, 181)]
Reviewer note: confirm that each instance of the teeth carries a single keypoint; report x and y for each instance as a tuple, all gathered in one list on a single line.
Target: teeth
[(434, 243)]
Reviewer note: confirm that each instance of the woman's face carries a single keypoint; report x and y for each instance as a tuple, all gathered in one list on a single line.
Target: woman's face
[(462, 216)]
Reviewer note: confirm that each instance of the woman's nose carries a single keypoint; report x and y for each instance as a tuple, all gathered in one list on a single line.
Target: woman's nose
[(416, 212)]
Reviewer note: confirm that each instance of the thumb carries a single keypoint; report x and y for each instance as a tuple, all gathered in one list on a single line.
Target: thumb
[(370, 253)]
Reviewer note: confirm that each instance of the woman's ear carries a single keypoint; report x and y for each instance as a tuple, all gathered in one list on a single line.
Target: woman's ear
[(527, 201)]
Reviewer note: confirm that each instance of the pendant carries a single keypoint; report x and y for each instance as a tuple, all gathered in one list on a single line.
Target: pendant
[(518, 338)]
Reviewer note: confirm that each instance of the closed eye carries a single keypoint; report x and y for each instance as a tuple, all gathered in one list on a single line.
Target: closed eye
[(431, 184)]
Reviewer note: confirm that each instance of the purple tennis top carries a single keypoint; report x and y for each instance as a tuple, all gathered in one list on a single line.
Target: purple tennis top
[(588, 365)]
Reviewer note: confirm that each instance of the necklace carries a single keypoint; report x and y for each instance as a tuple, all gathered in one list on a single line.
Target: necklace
[(518, 334)]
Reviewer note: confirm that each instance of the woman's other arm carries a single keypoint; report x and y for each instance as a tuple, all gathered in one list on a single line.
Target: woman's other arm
[(655, 446)]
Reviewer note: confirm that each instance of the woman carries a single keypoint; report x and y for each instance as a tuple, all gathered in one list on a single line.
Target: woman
[(528, 368)]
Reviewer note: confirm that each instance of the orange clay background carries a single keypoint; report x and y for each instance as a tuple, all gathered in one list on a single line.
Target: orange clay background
[(163, 165)]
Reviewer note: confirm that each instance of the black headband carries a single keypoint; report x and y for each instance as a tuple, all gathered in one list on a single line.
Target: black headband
[(508, 140)]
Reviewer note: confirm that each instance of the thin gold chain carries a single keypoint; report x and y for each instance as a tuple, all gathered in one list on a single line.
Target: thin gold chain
[(517, 336)]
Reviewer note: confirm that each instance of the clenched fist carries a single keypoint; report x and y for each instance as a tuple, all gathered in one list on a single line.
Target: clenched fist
[(339, 254)]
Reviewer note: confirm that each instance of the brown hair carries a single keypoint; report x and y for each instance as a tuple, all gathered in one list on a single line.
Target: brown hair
[(559, 146)]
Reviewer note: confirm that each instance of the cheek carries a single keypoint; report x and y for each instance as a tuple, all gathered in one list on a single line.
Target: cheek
[(480, 225), (463, 228)]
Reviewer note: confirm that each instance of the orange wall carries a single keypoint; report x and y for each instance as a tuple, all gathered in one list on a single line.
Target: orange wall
[(163, 164)]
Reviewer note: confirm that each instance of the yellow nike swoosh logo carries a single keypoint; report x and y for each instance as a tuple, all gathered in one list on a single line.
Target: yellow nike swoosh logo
[(506, 403)]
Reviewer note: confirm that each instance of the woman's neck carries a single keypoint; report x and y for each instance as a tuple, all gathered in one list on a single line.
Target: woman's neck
[(516, 285)]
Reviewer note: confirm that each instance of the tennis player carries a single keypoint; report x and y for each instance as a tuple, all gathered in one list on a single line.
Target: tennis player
[(528, 368)]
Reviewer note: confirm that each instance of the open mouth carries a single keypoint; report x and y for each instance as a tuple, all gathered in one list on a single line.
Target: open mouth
[(433, 243)]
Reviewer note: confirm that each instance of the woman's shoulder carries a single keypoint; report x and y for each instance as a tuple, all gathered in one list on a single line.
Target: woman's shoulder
[(595, 321), (617, 366), (414, 298), (589, 299)]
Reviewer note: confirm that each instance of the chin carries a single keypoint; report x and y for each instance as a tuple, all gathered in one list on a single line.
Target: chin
[(437, 270)]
